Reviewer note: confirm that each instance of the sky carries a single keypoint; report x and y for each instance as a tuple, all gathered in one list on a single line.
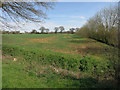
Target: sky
[(68, 14)]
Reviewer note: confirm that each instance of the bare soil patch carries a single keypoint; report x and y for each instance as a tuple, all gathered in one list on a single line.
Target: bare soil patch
[(42, 40)]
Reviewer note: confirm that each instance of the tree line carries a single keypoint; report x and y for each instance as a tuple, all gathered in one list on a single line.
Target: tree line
[(59, 29), (103, 26), (44, 30)]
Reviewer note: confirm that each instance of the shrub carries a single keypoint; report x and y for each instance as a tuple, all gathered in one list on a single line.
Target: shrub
[(94, 66)]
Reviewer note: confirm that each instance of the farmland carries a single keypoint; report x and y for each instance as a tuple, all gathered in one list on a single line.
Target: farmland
[(56, 60)]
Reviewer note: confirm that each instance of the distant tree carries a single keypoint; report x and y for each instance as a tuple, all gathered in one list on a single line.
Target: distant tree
[(72, 30), (5, 32), (42, 29), (56, 29), (34, 31), (61, 29), (13, 32), (47, 30), (26, 32), (77, 29), (68, 32), (10, 32), (17, 32)]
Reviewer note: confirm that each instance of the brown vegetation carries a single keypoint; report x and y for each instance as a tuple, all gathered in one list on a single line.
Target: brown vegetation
[(42, 40)]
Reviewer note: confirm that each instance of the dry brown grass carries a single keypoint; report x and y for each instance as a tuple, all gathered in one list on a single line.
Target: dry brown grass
[(64, 51), (39, 40)]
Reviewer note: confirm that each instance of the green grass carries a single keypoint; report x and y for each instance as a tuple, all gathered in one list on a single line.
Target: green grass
[(18, 75), (35, 53)]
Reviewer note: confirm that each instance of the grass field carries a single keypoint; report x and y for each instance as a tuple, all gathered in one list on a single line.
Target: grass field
[(56, 60)]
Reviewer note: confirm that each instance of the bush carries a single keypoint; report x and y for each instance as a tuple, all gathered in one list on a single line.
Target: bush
[(94, 66), (102, 26)]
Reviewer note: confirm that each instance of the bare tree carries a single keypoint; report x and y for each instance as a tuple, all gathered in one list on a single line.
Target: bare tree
[(28, 11), (61, 29), (109, 17), (56, 29)]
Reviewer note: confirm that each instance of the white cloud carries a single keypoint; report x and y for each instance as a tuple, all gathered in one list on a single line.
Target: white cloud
[(64, 16), (76, 21), (22, 26), (27, 26), (81, 17)]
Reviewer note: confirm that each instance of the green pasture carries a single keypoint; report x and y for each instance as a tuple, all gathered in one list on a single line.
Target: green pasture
[(80, 62)]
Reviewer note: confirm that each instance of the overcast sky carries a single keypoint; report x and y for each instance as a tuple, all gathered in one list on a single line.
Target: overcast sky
[(67, 14)]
